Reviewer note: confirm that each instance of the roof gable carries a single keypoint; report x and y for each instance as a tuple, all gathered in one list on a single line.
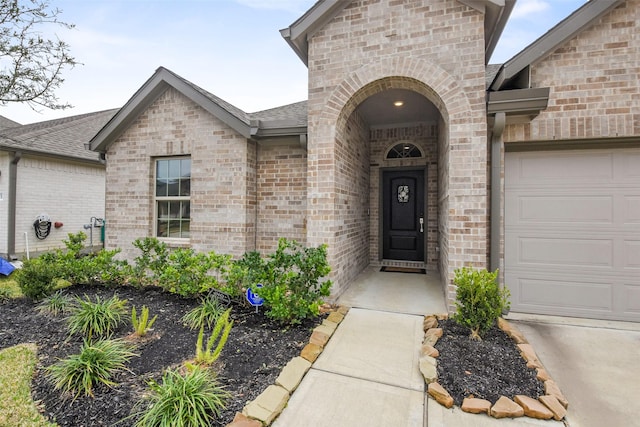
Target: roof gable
[(496, 14), (565, 30), (157, 84)]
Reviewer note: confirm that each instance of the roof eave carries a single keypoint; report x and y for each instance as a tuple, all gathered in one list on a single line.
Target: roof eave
[(95, 162), (558, 35), (298, 33), (518, 102)]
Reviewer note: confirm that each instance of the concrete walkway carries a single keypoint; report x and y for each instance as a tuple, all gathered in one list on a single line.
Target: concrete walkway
[(366, 376)]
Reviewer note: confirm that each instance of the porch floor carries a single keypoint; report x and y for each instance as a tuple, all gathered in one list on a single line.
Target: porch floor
[(395, 292)]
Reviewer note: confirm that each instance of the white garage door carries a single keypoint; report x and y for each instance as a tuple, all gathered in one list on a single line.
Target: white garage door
[(572, 232)]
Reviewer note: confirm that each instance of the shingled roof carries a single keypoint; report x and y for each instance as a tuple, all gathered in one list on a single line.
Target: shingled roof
[(64, 137)]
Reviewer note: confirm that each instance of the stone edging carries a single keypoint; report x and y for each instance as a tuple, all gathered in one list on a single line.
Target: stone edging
[(270, 403), (552, 405)]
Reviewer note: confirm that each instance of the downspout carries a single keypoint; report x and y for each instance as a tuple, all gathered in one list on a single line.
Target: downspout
[(13, 185), (496, 188)]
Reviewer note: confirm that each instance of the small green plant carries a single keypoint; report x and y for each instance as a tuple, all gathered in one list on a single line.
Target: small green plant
[(5, 294), (96, 363), (292, 285), (36, 278), (55, 304), (194, 398), (205, 314), (151, 261), (207, 355), (479, 300), (99, 318), (142, 324)]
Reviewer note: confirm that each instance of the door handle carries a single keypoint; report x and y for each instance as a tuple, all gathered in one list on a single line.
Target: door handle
[(421, 225)]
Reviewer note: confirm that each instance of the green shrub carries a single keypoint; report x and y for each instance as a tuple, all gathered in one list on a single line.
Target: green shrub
[(96, 363), (99, 318), (36, 278), (243, 274), (191, 399), (141, 325), (479, 300), (292, 289), (187, 273), (55, 304), (204, 354), (148, 266), (205, 314)]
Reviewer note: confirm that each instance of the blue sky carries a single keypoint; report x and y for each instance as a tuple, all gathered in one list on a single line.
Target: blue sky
[(232, 48)]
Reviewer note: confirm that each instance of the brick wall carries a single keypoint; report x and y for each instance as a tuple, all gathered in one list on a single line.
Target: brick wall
[(595, 91), (435, 48), (282, 195), (69, 192), (222, 182)]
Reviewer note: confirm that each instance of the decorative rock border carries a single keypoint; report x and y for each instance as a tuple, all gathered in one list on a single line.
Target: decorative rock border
[(270, 403), (552, 405)]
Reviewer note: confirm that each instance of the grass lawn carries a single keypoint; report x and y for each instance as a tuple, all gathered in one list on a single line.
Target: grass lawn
[(11, 285), (16, 406)]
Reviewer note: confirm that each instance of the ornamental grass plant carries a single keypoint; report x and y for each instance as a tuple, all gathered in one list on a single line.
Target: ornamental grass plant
[(96, 318), (204, 315), (95, 364), (191, 398)]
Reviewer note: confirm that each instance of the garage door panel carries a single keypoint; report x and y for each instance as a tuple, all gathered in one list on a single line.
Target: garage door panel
[(569, 167), (631, 211), (567, 252), (632, 255), (563, 208), (572, 232), (631, 299), (579, 295)]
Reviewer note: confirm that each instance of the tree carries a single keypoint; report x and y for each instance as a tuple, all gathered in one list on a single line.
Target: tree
[(31, 63)]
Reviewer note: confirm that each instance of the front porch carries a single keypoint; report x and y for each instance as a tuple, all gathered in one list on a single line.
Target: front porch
[(406, 293)]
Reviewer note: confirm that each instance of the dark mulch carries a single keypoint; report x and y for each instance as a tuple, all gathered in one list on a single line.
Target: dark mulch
[(255, 352), (486, 369)]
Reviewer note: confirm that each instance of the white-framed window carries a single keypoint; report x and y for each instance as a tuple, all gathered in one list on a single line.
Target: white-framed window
[(404, 150), (172, 197)]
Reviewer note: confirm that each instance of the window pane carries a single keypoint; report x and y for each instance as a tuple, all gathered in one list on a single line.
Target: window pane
[(185, 229), (162, 168), (162, 228), (163, 210), (185, 168), (161, 187), (174, 209), (174, 228), (186, 210), (185, 187), (174, 168)]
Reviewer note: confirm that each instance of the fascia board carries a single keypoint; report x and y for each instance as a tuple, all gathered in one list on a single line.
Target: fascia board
[(518, 101), (298, 33), (27, 152), (561, 33)]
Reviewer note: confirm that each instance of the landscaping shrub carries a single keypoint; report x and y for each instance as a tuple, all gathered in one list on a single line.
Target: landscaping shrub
[(292, 289), (186, 273), (150, 263), (204, 354), (191, 399), (141, 325), (99, 318), (55, 304), (479, 300), (243, 274), (205, 314), (36, 278), (96, 363)]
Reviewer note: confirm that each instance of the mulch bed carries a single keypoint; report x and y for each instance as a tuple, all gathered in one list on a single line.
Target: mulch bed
[(255, 352), (486, 369)]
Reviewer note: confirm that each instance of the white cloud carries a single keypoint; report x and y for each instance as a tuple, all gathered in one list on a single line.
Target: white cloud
[(525, 8)]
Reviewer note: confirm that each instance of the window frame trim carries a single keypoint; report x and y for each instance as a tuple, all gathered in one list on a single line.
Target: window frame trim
[(156, 199)]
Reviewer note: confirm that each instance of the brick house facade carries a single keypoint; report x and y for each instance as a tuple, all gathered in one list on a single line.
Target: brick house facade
[(424, 184)]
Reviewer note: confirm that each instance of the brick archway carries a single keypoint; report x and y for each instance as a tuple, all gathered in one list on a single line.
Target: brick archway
[(331, 202)]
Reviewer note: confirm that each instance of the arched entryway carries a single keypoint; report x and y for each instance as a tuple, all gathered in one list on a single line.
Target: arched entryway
[(350, 137)]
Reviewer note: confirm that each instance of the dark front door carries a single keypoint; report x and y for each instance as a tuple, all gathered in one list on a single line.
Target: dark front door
[(403, 215)]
